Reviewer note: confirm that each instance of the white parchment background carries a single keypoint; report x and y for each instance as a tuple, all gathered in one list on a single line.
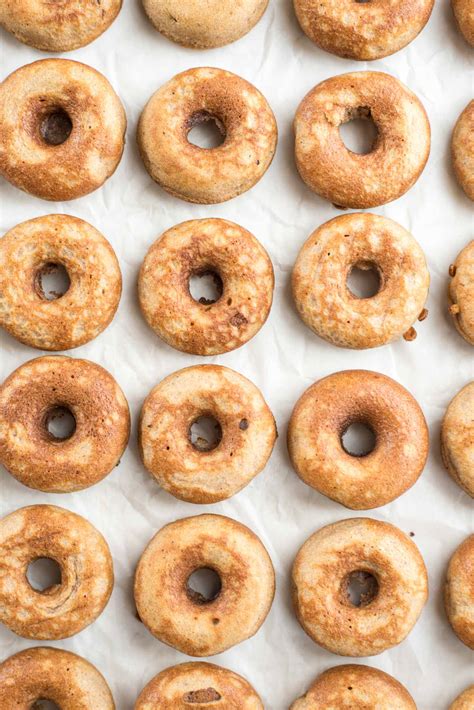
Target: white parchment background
[(283, 360)]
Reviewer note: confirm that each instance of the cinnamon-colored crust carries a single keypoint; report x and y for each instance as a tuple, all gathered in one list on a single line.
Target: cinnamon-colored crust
[(462, 148), (354, 686), (198, 685), (465, 701), (459, 592), (197, 247), (461, 293), (362, 30), (201, 175), (457, 438), (51, 673), (89, 304), (365, 241), (87, 578), (185, 621), (34, 392), (398, 155), (324, 413), (320, 590), (94, 147), (464, 14), (199, 25), (58, 26)]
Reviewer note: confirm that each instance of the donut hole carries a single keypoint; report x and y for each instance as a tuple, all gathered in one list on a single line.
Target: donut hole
[(206, 130), (360, 588), (60, 423), (203, 696), (364, 279), (205, 433), (43, 574), (52, 281), (206, 286), (56, 127), (358, 439), (203, 585), (44, 704), (359, 132)]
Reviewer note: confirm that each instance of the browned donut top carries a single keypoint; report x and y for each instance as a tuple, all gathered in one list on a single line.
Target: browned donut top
[(462, 148), (457, 438), (459, 592), (464, 14), (465, 701), (461, 292)]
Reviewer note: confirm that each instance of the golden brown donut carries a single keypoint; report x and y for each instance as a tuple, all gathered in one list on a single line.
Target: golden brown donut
[(459, 592), (44, 389), (181, 617), (461, 292), (457, 438), (462, 149), (39, 246), (353, 686), (58, 26), (238, 262), (464, 14), (62, 129), (55, 675), (204, 26), (198, 474), (465, 701), (350, 550), (324, 413), (87, 577), (399, 153), (207, 175), (364, 241), (198, 685), (362, 30)]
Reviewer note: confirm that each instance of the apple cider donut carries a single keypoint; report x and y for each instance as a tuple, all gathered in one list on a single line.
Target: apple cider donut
[(207, 175), (461, 292), (185, 619), (398, 155), (459, 592), (457, 438), (328, 409), (62, 129), (354, 686), (83, 556), (243, 274), (369, 242), (362, 30), (43, 245), (465, 701), (462, 149), (58, 26), (464, 14), (50, 388), (198, 684), (381, 562), (41, 674), (205, 472)]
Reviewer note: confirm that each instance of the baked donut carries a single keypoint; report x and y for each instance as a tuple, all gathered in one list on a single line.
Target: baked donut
[(207, 175), (183, 618), (87, 577), (48, 388), (376, 556), (457, 438), (58, 26), (38, 247), (369, 242), (462, 148), (399, 152), (461, 292), (192, 24), (353, 686), (464, 14), (362, 30), (459, 592), (244, 279), (39, 674), (62, 129), (465, 701), (198, 684), (326, 411)]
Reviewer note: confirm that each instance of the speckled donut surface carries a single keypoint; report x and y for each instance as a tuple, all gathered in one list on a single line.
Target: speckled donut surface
[(457, 438), (180, 617), (459, 592), (323, 414), (203, 175), (199, 25), (364, 241), (461, 292), (320, 593), (464, 14), (247, 425), (462, 149), (399, 152), (52, 674), (38, 392), (33, 248), (33, 101), (362, 30), (58, 26), (87, 578), (198, 685), (200, 247), (465, 701), (354, 686)]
